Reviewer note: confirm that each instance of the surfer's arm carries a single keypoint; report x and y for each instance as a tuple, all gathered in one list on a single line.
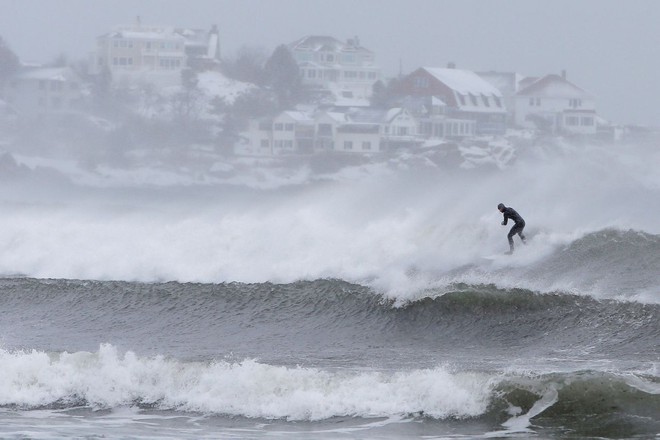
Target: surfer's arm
[(505, 220)]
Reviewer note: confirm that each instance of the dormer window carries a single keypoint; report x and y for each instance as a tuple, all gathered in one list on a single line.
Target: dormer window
[(486, 101), (473, 99)]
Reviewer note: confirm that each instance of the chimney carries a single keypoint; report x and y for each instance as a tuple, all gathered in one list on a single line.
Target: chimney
[(451, 65), (563, 74)]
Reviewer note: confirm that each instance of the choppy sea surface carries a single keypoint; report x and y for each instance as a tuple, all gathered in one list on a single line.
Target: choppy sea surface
[(372, 304)]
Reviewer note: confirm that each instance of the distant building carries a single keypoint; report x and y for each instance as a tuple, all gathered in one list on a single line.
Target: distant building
[(343, 71), (355, 131), (554, 104), (433, 120), (508, 83), (44, 91), (154, 54), (466, 96)]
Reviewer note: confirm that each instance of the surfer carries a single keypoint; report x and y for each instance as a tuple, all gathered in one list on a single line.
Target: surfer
[(518, 226)]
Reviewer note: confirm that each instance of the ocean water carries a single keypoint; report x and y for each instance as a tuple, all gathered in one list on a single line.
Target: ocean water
[(371, 303)]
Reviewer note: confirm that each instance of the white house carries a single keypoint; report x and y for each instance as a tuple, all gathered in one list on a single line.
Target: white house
[(155, 54), (345, 70), (327, 125), (290, 132), (42, 91), (358, 138), (554, 104), (293, 131)]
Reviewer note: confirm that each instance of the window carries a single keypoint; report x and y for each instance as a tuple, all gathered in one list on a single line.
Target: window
[(325, 129), (587, 121), (278, 127), (265, 143), (348, 145), (575, 103), (461, 98), (572, 120), (497, 101), (170, 63), (425, 128), (486, 101), (288, 127), (421, 82), (366, 145), (473, 99)]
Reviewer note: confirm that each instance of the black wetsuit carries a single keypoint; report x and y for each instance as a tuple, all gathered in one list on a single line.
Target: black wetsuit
[(517, 228)]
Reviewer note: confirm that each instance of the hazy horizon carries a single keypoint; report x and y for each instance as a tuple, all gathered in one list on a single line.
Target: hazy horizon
[(606, 47)]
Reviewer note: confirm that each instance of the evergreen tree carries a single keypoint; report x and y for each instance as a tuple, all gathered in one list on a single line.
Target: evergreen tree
[(283, 76), (9, 62), (247, 66)]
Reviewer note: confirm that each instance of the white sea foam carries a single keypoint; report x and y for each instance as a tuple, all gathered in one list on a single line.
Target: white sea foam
[(402, 231), (107, 379)]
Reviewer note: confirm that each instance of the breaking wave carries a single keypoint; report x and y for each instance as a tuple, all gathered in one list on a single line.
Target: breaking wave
[(107, 379)]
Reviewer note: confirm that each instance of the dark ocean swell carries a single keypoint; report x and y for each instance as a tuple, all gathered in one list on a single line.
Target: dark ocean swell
[(512, 359), (316, 321)]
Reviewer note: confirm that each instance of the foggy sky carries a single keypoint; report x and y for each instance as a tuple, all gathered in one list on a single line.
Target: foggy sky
[(611, 48)]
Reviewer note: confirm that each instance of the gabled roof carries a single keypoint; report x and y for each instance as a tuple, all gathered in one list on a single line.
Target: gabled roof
[(318, 43), (554, 86), (297, 116), (464, 82)]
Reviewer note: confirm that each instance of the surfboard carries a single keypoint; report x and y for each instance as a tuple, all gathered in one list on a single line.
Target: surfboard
[(496, 256)]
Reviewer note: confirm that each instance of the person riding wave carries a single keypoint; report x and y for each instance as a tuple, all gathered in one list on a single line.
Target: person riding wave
[(518, 226)]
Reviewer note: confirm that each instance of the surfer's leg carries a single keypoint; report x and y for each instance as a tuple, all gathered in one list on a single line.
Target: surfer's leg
[(510, 235), (522, 236)]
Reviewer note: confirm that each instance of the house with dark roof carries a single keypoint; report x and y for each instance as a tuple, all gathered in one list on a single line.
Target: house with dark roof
[(466, 95), (554, 104)]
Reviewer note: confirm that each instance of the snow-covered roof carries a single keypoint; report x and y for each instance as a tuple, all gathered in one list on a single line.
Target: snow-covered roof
[(297, 116), (337, 116), (554, 86), (318, 43), (393, 113), (463, 81)]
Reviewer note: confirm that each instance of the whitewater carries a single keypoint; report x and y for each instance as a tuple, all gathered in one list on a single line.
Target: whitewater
[(373, 301)]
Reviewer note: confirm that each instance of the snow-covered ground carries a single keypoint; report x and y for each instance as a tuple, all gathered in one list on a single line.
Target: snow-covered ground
[(202, 166)]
